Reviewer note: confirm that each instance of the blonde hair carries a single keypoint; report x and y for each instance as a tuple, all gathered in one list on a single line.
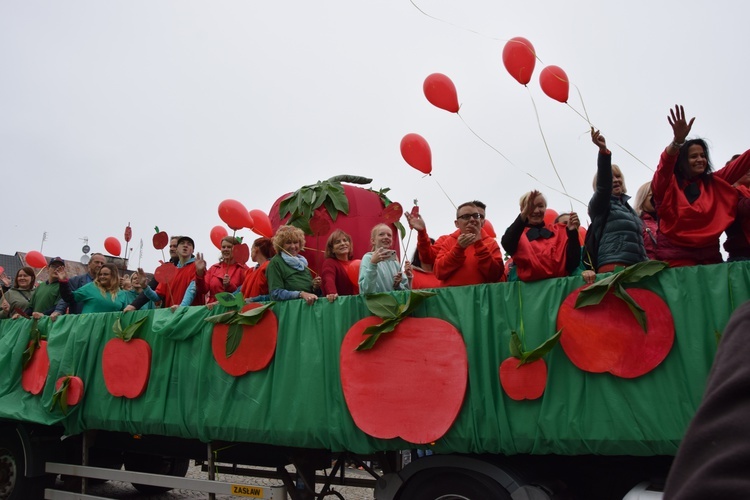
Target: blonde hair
[(525, 197), (114, 281), (615, 170), (375, 230), (288, 234), (640, 198)]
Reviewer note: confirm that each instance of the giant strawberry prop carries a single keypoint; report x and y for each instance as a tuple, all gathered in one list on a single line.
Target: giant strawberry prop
[(35, 362), (244, 340), (608, 329), (403, 376), (126, 361)]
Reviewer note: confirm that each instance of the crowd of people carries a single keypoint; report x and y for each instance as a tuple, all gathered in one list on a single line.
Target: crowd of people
[(678, 218)]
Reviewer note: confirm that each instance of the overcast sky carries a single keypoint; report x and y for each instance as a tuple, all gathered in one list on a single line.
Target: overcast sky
[(153, 112)]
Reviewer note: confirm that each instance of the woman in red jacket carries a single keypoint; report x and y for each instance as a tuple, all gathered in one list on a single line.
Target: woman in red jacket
[(256, 283), (339, 253), (694, 204), (225, 276)]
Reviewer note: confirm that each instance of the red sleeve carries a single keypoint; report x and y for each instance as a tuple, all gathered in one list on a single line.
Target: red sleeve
[(328, 276), (425, 249), (663, 176), (735, 169), (489, 259)]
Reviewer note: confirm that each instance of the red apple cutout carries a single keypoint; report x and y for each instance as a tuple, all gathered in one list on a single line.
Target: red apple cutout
[(241, 253), (165, 273), (526, 381), (68, 392), (255, 349), (34, 374), (126, 362), (410, 384), (160, 239), (607, 337)]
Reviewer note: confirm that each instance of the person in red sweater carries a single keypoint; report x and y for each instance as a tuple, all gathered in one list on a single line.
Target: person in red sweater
[(339, 253), (181, 289), (224, 276), (694, 204), (256, 283), (468, 256), (542, 251)]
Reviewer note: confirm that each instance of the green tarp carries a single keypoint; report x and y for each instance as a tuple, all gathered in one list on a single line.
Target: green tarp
[(298, 400)]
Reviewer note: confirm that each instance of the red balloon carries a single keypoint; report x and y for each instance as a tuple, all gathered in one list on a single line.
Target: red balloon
[(416, 152), (218, 233), (519, 58), (36, 259), (262, 224), (112, 245), (235, 215), (554, 83), (549, 217), (352, 270), (489, 229), (440, 91)]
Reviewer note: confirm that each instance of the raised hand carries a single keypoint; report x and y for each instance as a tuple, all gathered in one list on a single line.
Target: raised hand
[(680, 126), (415, 221), (528, 207), (200, 264), (598, 139), (573, 222)]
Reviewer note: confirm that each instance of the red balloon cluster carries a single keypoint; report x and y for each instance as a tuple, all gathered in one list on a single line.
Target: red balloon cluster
[(36, 259), (112, 245), (416, 152), (235, 215), (440, 91), (519, 58), (554, 83)]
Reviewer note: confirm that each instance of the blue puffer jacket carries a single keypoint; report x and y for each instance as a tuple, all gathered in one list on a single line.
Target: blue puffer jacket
[(620, 240)]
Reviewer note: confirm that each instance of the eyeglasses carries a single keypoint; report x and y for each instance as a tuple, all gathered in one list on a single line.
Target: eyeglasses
[(475, 216)]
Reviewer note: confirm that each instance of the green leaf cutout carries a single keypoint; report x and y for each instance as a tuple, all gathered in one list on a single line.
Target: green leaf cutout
[(129, 331), (234, 337), (60, 397), (35, 337), (638, 312), (222, 318), (237, 321), (391, 312), (227, 299), (516, 348), (542, 350)]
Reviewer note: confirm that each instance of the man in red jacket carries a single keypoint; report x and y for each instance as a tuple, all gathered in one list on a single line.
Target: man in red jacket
[(468, 256)]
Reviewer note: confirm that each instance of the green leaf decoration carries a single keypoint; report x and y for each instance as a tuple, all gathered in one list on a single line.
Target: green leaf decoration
[(516, 348), (60, 397), (226, 299), (222, 318), (645, 269), (35, 337), (542, 350), (128, 332), (385, 306), (351, 179), (401, 229), (638, 312), (234, 337), (251, 317)]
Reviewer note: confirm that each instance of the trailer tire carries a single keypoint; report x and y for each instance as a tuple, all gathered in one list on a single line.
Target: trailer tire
[(168, 466), (452, 485), (14, 485)]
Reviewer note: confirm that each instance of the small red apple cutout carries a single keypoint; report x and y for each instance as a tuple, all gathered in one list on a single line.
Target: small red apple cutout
[(392, 213), (165, 273), (34, 374), (68, 392), (239, 349), (411, 384), (524, 374), (126, 362), (526, 381), (241, 253), (160, 239), (607, 337)]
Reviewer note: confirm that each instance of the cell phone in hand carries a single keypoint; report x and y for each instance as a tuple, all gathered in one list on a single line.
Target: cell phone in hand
[(390, 254)]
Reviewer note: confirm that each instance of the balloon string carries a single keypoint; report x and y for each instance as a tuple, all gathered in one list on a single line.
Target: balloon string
[(634, 156), (516, 167), (454, 25), (290, 255), (546, 146), (446, 194), (583, 104), (406, 247)]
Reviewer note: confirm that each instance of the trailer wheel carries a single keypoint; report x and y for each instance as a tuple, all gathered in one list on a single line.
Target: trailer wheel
[(167, 466), (453, 485), (14, 485)]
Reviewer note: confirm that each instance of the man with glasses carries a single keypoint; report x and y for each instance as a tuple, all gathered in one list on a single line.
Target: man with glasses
[(468, 256)]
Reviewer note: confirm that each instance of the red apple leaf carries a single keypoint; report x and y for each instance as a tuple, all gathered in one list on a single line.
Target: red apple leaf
[(638, 312), (381, 302), (35, 337), (230, 300), (594, 293), (542, 350), (515, 346), (234, 336), (129, 331), (392, 213), (60, 396), (223, 318)]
